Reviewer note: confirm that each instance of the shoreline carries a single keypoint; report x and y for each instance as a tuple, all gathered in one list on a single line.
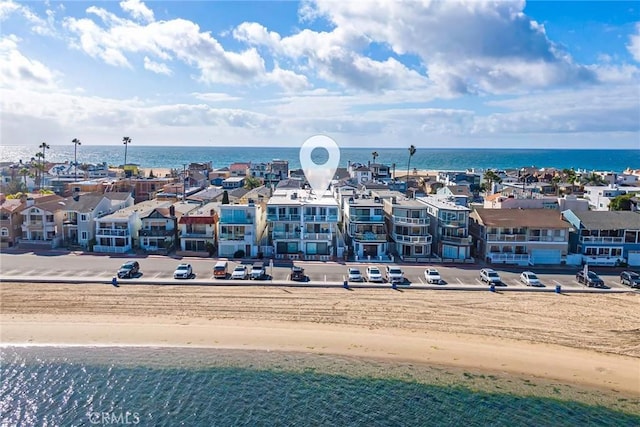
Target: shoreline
[(586, 341)]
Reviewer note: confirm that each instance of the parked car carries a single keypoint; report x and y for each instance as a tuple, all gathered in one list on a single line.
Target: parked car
[(355, 275), (490, 276), (373, 274), (240, 272), (529, 278), (394, 274), (591, 279), (431, 275), (183, 271), (297, 274), (220, 270), (630, 278), (128, 270), (258, 271)]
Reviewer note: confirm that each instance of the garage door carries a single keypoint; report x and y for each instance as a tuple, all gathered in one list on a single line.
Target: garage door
[(546, 256)]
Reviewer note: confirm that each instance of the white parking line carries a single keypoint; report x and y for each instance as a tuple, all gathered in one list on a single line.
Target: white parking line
[(459, 281), (420, 278)]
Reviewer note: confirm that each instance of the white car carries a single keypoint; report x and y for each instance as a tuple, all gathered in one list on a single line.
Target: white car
[(395, 274), (240, 272), (355, 275), (183, 271), (374, 274), (490, 276), (431, 275), (530, 279)]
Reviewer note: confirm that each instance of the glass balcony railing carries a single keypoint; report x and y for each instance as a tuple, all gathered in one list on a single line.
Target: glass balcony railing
[(412, 221), (276, 217), (286, 235), (456, 240), (595, 239), (321, 218), (112, 232), (411, 239), (317, 236), (366, 218), (370, 236)]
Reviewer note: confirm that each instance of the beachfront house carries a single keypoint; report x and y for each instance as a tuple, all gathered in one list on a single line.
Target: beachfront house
[(449, 228), (198, 230), (301, 225), (240, 229), (519, 236), (159, 228), (42, 220), (365, 226), (118, 232), (11, 220), (408, 222), (604, 237)]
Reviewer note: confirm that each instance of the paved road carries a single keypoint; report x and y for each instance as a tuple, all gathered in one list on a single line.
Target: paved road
[(77, 267)]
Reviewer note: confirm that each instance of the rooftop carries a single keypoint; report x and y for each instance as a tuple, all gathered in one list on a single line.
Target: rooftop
[(609, 220), (515, 218), (442, 202)]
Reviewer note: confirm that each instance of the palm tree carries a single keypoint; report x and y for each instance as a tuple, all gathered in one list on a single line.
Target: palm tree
[(44, 147), (37, 166), (412, 151), (24, 172), (126, 141), (75, 142), (375, 156), (490, 177)]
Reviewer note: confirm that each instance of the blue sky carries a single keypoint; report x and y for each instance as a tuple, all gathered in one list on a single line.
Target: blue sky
[(561, 74)]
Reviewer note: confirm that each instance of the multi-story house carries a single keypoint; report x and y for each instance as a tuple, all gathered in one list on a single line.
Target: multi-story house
[(42, 222), (11, 220), (449, 228), (380, 172), (233, 182), (258, 170), (365, 226), (118, 232), (240, 169), (600, 196), (461, 194), (198, 230), (159, 227), (519, 236), (240, 228), (605, 238), (408, 222), (302, 225), (360, 173), (279, 169)]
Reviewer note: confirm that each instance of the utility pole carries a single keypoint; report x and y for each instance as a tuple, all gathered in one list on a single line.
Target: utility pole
[(184, 182)]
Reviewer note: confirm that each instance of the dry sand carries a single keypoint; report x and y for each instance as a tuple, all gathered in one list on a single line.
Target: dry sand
[(586, 340)]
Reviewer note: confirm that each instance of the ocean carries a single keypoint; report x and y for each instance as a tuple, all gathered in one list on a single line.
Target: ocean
[(424, 158), (72, 386)]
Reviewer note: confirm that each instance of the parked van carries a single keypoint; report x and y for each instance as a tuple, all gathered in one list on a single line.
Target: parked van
[(220, 270)]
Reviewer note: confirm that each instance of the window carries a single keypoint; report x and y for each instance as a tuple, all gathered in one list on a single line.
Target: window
[(4, 231), (418, 250), (84, 235), (84, 217)]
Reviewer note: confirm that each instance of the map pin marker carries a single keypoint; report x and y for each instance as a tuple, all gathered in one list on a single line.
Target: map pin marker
[(319, 176)]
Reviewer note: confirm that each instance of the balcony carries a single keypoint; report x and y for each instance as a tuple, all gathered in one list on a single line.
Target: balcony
[(156, 232), (235, 220), (112, 249), (317, 236), (112, 232), (547, 239), (276, 217), (72, 221), (321, 218), (234, 237), (411, 221), (506, 237), (595, 239), (399, 238), (286, 235), (197, 235), (455, 240), (452, 223), (366, 218), (508, 258), (370, 236)]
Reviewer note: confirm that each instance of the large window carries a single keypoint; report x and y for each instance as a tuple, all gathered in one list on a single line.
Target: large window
[(287, 248), (314, 248)]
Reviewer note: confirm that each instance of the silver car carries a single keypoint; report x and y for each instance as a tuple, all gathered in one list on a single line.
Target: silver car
[(355, 275)]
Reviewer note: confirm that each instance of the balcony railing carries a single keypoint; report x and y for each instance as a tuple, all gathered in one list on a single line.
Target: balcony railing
[(321, 218), (233, 220), (452, 223), (156, 232), (370, 236), (197, 235), (276, 217), (112, 232), (594, 239), (412, 221), (286, 235), (317, 236), (366, 218), (111, 249), (456, 240), (547, 239), (506, 237), (412, 239), (508, 258), (231, 236)]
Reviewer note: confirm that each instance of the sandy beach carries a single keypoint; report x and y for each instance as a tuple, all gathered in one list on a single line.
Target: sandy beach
[(587, 340)]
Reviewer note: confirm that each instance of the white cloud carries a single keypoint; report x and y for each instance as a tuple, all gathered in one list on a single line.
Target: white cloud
[(44, 27), (16, 70), (215, 97), (137, 10), (156, 67), (634, 44)]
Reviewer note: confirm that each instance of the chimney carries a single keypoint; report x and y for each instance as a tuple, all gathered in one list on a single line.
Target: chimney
[(172, 210), (30, 202)]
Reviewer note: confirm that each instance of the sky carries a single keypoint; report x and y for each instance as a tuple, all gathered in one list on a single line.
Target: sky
[(367, 73)]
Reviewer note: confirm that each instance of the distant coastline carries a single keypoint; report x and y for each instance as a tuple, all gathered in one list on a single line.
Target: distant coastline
[(425, 158)]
